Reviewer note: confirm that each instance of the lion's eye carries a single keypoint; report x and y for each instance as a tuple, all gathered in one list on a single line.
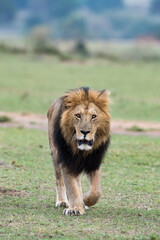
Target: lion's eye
[(94, 116), (78, 115)]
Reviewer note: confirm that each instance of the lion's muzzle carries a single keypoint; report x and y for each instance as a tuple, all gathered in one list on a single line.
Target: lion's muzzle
[(85, 144)]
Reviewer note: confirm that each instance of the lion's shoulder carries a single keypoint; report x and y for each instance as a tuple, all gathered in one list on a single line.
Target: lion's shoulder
[(54, 108)]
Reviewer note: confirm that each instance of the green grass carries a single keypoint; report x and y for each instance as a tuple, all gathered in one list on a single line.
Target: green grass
[(129, 207), (29, 84)]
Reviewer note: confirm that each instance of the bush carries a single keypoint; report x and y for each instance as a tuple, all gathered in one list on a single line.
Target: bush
[(4, 119), (73, 27), (41, 43), (39, 39), (81, 49), (12, 49)]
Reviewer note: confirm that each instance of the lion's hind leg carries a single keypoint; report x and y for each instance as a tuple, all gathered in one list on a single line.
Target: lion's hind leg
[(92, 197), (61, 200)]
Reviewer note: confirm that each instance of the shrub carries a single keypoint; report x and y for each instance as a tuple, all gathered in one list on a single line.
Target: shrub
[(41, 43), (4, 119), (81, 49)]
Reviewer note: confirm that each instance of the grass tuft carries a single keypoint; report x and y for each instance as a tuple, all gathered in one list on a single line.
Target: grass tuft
[(4, 119), (136, 129)]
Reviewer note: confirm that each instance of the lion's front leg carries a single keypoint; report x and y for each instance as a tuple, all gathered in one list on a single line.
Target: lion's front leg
[(95, 192), (74, 195)]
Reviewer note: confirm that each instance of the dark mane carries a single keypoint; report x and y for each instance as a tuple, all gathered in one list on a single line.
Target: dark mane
[(79, 162), (86, 90)]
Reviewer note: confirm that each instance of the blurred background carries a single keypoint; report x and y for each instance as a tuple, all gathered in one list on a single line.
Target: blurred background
[(86, 19), (46, 21), (49, 46)]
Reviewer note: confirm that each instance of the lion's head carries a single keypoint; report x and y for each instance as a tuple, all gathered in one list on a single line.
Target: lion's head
[(85, 121)]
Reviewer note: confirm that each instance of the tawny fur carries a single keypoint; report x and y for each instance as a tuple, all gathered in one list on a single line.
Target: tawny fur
[(86, 102), (99, 100)]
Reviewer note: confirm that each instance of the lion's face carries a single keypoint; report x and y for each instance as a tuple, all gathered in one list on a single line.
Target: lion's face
[(85, 122)]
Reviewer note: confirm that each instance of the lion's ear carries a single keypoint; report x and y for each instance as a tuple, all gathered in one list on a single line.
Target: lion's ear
[(104, 93), (108, 93), (103, 98)]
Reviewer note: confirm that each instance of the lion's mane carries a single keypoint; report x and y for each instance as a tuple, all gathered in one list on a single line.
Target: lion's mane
[(78, 161)]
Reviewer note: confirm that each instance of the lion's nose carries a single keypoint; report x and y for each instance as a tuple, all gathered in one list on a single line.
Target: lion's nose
[(85, 132)]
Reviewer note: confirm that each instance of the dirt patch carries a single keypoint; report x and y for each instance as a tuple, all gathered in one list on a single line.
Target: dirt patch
[(13, 192), (25, 120), (5, 165), (135, 128), (39, 121)]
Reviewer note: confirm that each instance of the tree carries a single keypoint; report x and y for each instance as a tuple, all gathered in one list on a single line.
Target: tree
[(62, 8), (101, 5), (52, 9), (74, 27), (155, 7), (20, 4), (7, 11)]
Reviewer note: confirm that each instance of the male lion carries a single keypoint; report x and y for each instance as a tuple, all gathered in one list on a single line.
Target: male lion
[(79, 130)]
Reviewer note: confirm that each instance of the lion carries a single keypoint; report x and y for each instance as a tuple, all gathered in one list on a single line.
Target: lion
[(79, 136)]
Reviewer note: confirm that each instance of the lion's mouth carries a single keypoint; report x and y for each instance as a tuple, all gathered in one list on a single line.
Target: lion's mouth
[(86, 142)]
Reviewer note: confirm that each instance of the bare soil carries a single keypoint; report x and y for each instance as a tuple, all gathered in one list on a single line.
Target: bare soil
[(12, 192), (39, 121)]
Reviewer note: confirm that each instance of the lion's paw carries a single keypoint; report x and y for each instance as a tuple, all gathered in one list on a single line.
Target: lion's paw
[(91, 198), (74, 211), (62, 204)]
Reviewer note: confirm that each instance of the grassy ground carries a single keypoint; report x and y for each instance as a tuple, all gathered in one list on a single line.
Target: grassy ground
[(29, 84), (129, 208)]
